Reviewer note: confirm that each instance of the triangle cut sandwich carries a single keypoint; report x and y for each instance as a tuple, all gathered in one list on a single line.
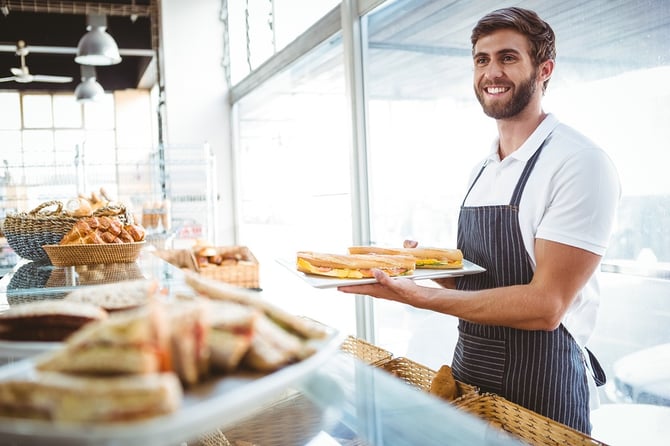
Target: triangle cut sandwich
[(126, 342), (56, 396)]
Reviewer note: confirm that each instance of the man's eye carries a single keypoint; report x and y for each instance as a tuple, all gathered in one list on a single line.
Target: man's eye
[(481, 60), (508, 59)]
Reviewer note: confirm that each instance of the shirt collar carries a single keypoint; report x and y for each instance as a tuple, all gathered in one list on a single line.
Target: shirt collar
[(531, 144)]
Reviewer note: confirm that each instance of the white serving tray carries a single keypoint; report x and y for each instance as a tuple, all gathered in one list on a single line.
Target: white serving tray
[(419, 274), (25, 349), (218, 403)]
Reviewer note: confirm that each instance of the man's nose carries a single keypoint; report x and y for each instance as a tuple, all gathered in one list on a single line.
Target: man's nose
[(493, 71)]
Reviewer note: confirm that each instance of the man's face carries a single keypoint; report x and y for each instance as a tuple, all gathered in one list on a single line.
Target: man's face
[(505, 77)]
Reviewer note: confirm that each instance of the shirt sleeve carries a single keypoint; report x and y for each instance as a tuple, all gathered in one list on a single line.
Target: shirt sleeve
[(584, 198)]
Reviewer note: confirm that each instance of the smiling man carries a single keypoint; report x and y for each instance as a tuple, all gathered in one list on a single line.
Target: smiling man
[(538, 216)]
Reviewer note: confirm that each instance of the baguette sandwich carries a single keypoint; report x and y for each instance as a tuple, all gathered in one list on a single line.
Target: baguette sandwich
[(425, 258), (62, 397), (354, 266)]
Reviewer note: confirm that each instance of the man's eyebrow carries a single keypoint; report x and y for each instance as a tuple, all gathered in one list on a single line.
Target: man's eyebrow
[(499, 52)]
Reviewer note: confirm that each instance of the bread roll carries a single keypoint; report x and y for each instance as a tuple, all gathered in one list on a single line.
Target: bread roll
[(79, 207), (102, 230), (444, 385)]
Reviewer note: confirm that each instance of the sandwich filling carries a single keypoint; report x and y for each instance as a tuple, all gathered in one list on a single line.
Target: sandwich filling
[(350, 273)]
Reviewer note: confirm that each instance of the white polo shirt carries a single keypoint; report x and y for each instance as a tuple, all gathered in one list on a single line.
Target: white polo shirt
[(571, 197)]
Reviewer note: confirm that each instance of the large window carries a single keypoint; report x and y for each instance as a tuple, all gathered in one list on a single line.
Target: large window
[(48, 140), (54, 148), (424, 132), (258, 29), (426, 127), (293, 169)]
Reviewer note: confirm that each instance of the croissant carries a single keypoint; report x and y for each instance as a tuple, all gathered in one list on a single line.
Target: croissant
[(102, 230)]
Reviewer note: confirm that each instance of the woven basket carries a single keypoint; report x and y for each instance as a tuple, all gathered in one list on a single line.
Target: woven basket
[(366, 352), (243, 273), (421, 376), (32, 275), (27, 232), (181, 258), (117, 210), (532, 428), (294, 420), (96, 274), (70, 255)]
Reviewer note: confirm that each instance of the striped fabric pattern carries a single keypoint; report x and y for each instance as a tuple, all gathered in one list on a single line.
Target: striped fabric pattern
[(540, 370)]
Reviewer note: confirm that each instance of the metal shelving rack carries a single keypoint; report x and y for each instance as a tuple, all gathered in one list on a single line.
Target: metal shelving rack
[(179, 179)]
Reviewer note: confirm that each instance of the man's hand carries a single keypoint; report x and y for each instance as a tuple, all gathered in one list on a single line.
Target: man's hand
[(561, 272), (410, 244), (397, 289)]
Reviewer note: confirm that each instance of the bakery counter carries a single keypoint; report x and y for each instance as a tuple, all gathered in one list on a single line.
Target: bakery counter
[(348, 402), (331, 398)]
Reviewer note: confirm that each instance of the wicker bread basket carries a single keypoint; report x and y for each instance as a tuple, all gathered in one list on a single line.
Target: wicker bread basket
[(27, 277), (47, 224), (27, 232), (95, 274), (366, 352), (526, 425), (532, 428), (181, 258), (293, 420), (243, 272), (421, 376), (70, 255)]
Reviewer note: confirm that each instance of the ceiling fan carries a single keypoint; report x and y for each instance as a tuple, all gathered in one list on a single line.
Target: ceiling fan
[(22, 74)]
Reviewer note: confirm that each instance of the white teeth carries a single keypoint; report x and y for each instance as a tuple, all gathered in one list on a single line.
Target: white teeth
[(496, 90)]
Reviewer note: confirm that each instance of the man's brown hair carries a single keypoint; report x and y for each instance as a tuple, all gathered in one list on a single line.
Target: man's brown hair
[(540, 35)]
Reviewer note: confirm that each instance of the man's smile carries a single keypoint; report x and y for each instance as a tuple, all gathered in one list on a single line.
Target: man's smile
[(496, 90)]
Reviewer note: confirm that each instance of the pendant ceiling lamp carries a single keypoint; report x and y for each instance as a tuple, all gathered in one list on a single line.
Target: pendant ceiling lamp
[(97, 47), (89, 90)]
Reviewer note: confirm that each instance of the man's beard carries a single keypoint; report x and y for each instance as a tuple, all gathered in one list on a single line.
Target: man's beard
[(503, 110)]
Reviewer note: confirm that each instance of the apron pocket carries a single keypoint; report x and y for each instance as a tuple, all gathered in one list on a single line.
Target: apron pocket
[(479, 362)]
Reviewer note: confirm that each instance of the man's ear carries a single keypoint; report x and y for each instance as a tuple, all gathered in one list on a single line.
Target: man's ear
[(546, 69)]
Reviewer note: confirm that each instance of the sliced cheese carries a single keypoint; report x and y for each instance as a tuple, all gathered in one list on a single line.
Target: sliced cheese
[(341, 273), (435, 263)]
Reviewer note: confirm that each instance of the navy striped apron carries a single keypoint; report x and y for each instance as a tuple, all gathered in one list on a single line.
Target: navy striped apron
[(542, 371)]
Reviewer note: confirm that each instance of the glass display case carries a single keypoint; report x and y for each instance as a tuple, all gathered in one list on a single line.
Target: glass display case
[(339, 399)]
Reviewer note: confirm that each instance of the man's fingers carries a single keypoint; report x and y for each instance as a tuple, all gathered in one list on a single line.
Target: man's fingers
[(410, 244)]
